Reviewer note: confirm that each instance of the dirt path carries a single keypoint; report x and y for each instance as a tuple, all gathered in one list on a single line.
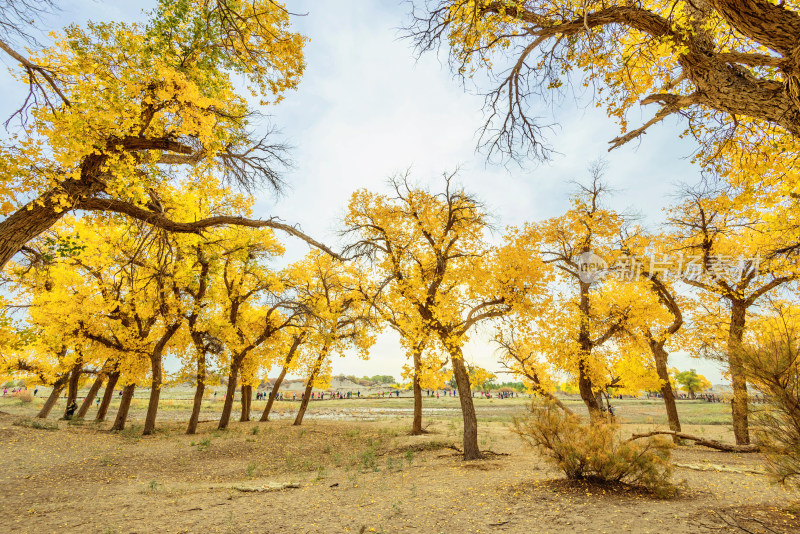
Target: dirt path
[(352, 477)]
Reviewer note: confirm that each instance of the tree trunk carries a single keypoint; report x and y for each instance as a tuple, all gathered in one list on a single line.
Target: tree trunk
[(660, 356), (274, 393), (739, 407), (124, 407), (588, 394), (247, 392), (87, 402), (309, 387), (40, 214), (155, 395), (58, 387), (585, 386), (416, 425), (157, 369), (72, 388), (229, 394), (298, 420), (471, 450), (198, 393), (107, 397)]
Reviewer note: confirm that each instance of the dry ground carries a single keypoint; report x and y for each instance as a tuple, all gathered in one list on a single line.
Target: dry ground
[(353, 476)]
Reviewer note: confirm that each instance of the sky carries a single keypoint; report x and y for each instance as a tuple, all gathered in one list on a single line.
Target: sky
[(368, 108)]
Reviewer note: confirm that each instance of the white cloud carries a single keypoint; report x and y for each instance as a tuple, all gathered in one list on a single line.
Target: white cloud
[(367, 108)]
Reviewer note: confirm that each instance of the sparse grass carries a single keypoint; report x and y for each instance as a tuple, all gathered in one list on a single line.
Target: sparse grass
[(202, 445), (37, 424)]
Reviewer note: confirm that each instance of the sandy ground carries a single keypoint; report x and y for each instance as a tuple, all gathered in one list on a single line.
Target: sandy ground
[(351, 476)]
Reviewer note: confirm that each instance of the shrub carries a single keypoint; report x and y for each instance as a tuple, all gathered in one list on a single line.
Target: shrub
[(25, 396), (595, 451), (771, 358)]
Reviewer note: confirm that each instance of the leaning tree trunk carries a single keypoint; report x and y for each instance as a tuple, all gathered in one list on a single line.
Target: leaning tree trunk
[(155, 395), (739, 407), (124, 407), (87, 402), (198, 394), (157, 369), (298, 420), (247, 393), (660, 356), (107, 397), (227, 407), (40, 214), (471, 450), (416, 425), (309, 387), (274, 393), (58, 387)]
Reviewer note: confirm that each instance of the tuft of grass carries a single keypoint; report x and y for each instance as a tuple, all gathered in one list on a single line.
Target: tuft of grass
[(202, 445), (369, 460), (251, 469)]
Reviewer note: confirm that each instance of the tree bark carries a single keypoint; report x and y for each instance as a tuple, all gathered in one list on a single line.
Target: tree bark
[(107, 397), (416, 425), (660, 356), (298, 420), (198, 393), (40, 214), (739, 406), (247, 392), (711, 443), (58, 387), (274, 393), (229, 394), (471, 449), (72, 388), (124, 407), (87, 402), (155, 395), (585, 386), (157, 369)]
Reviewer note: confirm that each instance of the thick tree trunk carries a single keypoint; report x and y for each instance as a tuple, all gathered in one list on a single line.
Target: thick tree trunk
[(72, 388), (471, 450), (107, 397), (227, 407), (660, 356), (274, 393), (588, 394), (739, 406), (585, 386), (58, 387), (247, 393), (87, 402), (124, 407), (198, 394), (416, 425), (155, 395)]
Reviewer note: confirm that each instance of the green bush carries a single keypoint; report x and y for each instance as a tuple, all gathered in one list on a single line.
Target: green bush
[(595, 451)]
